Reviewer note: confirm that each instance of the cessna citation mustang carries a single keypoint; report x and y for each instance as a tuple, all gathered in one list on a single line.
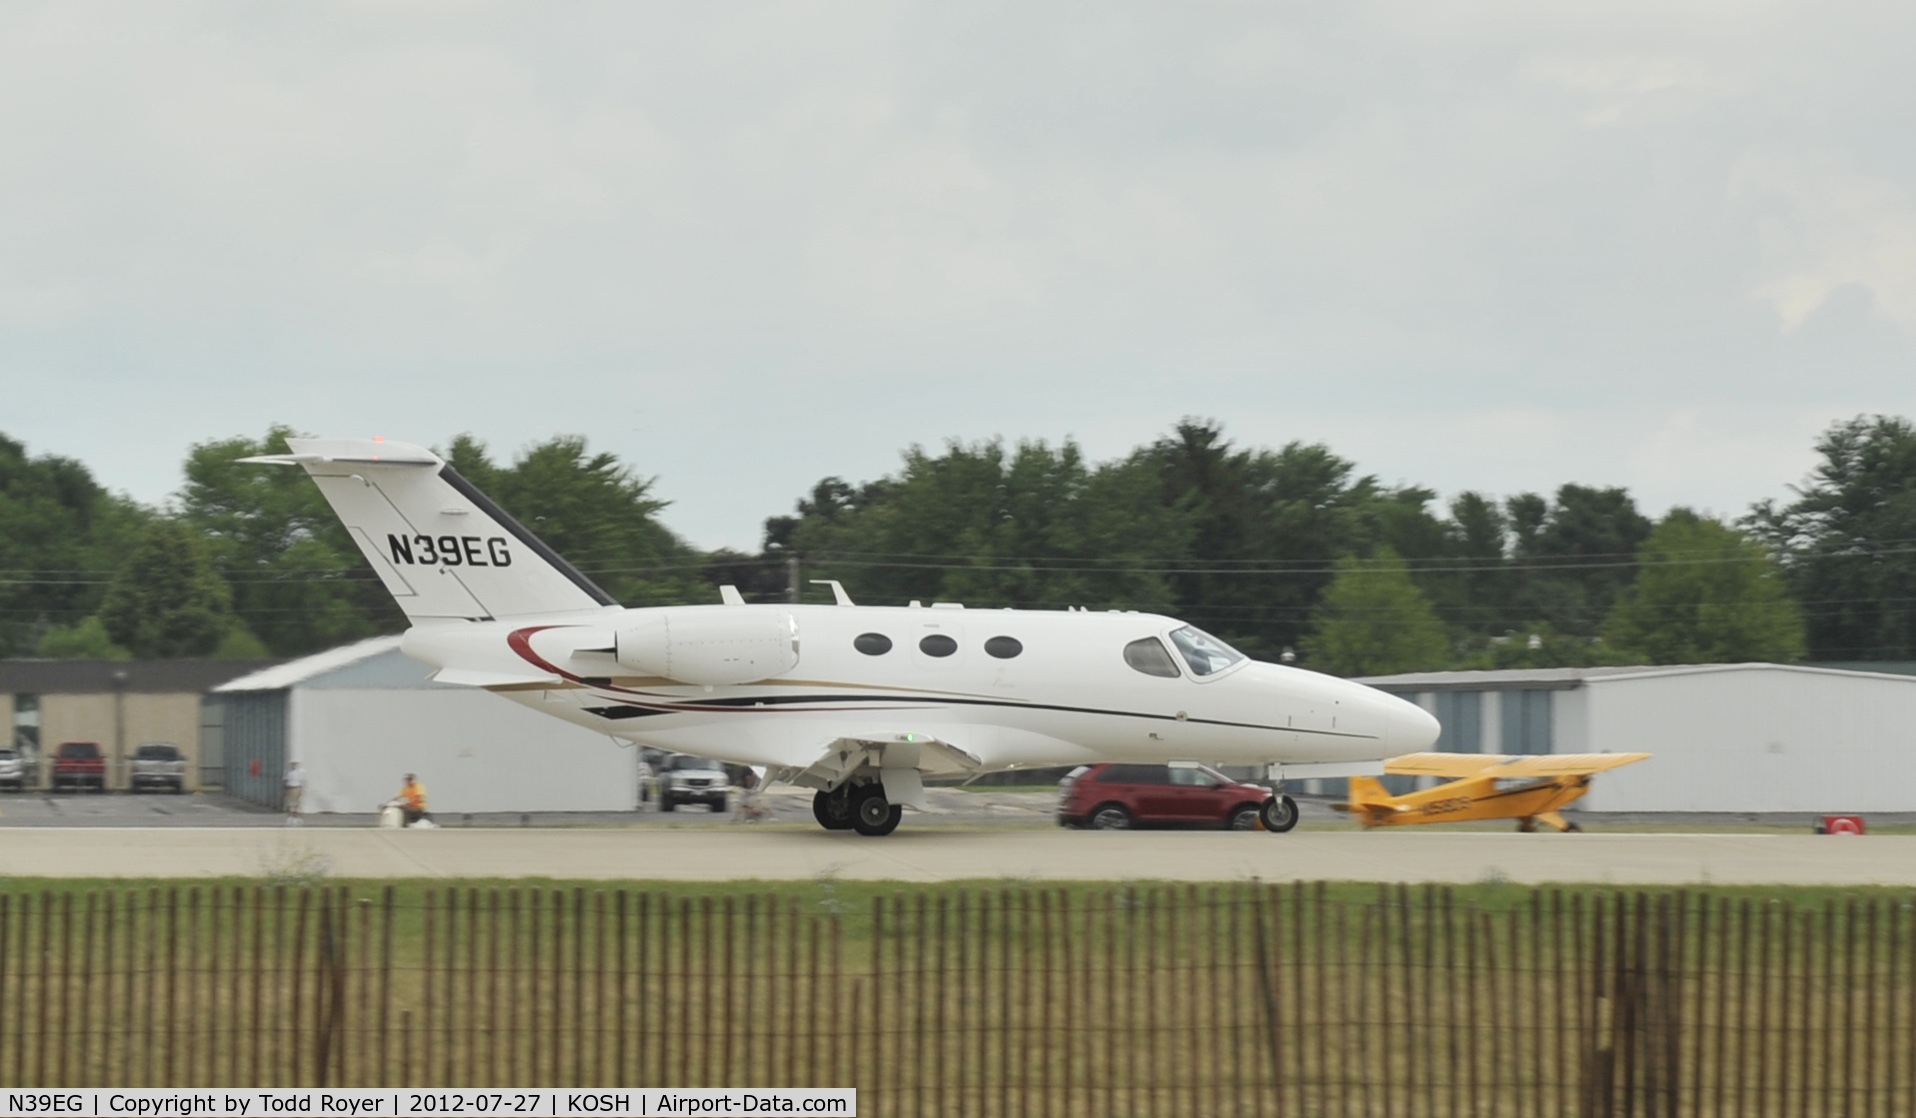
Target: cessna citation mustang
[(859, 703)]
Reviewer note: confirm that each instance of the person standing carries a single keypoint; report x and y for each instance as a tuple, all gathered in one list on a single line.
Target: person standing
[(294, 786)]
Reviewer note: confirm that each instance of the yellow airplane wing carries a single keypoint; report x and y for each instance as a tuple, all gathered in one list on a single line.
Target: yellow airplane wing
[(1563, 764), (1457, 766), (1454, 766)]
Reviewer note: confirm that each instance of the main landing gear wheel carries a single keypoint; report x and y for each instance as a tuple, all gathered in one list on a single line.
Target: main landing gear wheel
[(873, 814), (833, 810), (1279, 814)]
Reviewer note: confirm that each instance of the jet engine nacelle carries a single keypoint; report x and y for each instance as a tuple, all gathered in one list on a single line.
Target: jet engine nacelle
[(715, 646)]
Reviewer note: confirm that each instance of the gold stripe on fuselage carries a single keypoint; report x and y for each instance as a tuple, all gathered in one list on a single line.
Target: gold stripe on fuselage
[(630, 683)]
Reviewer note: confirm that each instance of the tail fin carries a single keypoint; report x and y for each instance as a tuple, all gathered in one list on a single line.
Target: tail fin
[(1367, 790), (1369, 800), (440, 546)]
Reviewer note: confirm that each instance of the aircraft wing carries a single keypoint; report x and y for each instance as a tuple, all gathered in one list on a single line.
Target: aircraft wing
[(1457, 766), (1452, 766), (1563, 764)]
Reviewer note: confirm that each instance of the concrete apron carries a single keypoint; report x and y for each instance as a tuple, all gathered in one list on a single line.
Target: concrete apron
[(929, 853)]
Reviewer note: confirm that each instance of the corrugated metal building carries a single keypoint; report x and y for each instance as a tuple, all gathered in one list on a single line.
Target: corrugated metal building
[(358, 718), (1726, 737), (120, 704)]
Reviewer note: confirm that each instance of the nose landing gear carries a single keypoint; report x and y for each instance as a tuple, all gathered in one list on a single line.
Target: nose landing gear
[(1279, 813)]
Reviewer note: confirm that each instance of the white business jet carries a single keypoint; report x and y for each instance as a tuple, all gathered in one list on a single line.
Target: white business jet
[(859, 703)]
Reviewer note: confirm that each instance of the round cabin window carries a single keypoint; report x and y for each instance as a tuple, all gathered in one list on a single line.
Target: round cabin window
[(1003, 648), (872, 644), (938, 644)]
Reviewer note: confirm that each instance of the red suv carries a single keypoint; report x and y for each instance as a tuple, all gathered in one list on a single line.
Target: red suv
[(1114, 797), (79, 763)]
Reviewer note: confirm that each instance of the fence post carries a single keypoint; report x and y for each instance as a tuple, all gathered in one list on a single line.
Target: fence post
[(8, 989), (85, 1047), (323, 1033), (1268, 998)]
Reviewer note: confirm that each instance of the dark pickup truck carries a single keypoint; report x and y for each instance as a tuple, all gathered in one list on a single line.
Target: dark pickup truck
[(79, 764)]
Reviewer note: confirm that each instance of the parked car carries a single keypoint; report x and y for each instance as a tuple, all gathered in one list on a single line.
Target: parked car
[(692, 780), (159, 764), (13, 769), (79, 764), (1114, 797)]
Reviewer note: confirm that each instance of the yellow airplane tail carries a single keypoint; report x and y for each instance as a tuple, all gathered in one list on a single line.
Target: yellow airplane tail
[(1367, 790), (1368, 800)]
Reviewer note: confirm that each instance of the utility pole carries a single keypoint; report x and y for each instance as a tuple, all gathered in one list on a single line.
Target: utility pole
[(791, 579), (119, 729)]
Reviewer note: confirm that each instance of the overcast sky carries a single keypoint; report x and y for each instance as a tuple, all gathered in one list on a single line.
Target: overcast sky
[(1472, 246)]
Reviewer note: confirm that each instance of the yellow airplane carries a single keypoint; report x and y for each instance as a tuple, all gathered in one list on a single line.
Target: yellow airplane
[(1529, 789)]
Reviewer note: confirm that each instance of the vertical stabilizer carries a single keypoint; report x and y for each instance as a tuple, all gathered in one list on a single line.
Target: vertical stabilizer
[(1368, 790), (440, 546)]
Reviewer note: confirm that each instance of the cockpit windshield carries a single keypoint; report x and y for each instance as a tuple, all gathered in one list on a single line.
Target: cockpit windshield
[(1205, 653)]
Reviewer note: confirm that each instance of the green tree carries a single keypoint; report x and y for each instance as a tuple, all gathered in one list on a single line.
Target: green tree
[(1848, 542), (1472, 587), (1375, 621), (1706, 594), (167, 601), (594, 511), (1572, 558), (60, 533), (1536, 644), (1266, 527), (1033, 526), (87, 640), (298, 580)]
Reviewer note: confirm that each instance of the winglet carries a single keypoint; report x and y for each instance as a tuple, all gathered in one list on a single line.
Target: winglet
[(839, 597)]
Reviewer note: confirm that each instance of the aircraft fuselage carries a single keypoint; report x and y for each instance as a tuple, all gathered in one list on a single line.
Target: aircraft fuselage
[(1067, 695)]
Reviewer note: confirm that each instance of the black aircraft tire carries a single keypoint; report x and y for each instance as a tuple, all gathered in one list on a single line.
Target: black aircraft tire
[(892, 819), (874, 815), (833, 811), (1280, 814)]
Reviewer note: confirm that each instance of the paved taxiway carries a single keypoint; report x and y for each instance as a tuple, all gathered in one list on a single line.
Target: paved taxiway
[(931, 853)]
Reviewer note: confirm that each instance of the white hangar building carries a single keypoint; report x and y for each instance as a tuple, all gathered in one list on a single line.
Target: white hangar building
[(1725, 737), (359, 717)]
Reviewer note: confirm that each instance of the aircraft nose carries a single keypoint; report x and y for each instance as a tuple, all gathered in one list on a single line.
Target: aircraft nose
[(1408, 728)]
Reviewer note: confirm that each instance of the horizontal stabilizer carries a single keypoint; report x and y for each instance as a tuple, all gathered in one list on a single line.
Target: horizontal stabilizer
[(464, 678)]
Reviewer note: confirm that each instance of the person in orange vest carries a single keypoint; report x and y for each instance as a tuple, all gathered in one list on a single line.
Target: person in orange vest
[(412, 800)]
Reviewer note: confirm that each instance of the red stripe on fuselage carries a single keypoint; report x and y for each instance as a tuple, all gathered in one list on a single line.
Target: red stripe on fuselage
[(520, 641)]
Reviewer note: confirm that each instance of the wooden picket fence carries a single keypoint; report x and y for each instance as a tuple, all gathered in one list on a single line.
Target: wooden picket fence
[(1154, 1000)]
